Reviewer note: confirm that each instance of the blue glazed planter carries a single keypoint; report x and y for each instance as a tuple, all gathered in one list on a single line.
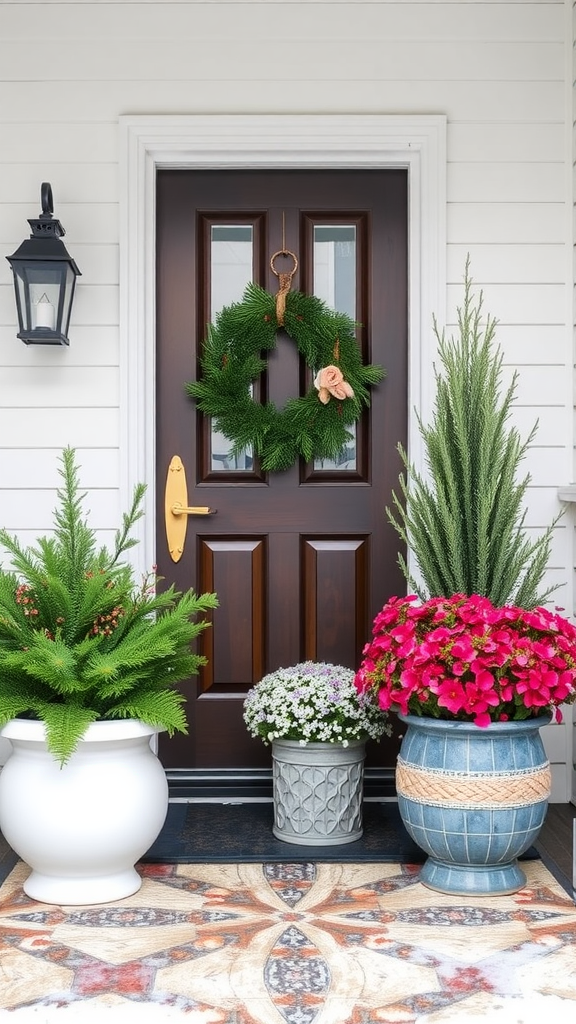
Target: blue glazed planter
[(473, 799)]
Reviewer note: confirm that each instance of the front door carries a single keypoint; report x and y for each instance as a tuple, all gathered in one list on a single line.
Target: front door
[(303, 559)]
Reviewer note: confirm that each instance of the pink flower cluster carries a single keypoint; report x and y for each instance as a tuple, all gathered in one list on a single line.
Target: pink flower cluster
[(460, 658)]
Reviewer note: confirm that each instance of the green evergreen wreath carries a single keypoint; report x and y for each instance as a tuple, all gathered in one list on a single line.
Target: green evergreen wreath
[(314, 426)]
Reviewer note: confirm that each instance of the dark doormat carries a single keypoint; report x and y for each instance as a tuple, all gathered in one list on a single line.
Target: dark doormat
[(238, 833), (202, 832), (8, 859)]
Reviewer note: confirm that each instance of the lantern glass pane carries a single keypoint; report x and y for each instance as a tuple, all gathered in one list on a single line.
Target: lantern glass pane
[(66, 295), (39, 285), (22, 301)]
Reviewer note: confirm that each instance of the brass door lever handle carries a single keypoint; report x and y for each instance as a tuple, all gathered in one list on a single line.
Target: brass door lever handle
[(194, 510), (177, 509)]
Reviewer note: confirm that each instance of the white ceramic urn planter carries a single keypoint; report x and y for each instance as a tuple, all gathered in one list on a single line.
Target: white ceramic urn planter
[(83, 826)]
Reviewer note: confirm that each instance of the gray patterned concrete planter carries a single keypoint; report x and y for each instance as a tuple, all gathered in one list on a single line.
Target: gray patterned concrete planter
[(318, 792)]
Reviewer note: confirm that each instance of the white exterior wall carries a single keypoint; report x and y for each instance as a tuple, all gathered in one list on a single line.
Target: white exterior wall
[(501, 73)]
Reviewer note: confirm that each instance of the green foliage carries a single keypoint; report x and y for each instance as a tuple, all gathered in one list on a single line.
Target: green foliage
[(464, 519), (80, 640), (232, 361)]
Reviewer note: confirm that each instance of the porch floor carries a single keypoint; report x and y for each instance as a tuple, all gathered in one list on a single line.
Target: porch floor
[(297, 944), (555, 842)]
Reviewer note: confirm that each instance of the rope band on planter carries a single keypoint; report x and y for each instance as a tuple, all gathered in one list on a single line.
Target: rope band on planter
[(448, 789)]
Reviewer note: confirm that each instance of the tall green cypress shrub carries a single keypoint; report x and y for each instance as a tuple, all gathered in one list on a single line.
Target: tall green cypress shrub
[(464, 518)]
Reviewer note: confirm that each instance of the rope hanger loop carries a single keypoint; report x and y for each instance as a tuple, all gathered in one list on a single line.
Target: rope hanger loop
[(285, 282), (284, 277)]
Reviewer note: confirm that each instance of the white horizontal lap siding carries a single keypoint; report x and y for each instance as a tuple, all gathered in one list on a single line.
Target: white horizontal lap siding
[(498, 71)]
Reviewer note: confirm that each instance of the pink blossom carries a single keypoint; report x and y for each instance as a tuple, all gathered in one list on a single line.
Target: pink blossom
[(430, 673), (451, 695), (409, 679), (465, 658), (463, 649), (384, 700), (480, 698), (379, 645), (506, 690), (459, 668)]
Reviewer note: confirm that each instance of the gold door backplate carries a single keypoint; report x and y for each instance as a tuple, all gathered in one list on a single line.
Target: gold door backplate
[(177, 510)]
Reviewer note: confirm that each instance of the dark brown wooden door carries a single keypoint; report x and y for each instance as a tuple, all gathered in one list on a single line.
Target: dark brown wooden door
[(301, 560)]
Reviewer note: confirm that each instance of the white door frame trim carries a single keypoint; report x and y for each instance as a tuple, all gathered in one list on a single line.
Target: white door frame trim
[(148, 143)]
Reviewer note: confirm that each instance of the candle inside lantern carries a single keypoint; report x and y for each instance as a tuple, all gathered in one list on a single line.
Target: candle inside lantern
[(45, 313)]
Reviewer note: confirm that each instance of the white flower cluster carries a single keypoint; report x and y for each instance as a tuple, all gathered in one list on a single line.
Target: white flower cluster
[(312, 702)]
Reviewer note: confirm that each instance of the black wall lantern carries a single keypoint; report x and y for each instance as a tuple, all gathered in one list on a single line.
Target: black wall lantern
[(44, 278)]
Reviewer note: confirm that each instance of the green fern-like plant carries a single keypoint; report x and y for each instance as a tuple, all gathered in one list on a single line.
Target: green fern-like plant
[(464, 519), (80, 640)]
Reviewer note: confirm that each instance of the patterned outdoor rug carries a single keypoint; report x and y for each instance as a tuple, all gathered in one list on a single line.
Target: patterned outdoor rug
[(290, 943)]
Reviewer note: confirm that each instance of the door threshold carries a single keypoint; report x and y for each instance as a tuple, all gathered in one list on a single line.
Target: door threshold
[(231, 785)]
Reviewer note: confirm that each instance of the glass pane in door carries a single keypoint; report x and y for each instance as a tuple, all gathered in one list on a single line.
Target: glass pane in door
[(334, 270), (231, 262)]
